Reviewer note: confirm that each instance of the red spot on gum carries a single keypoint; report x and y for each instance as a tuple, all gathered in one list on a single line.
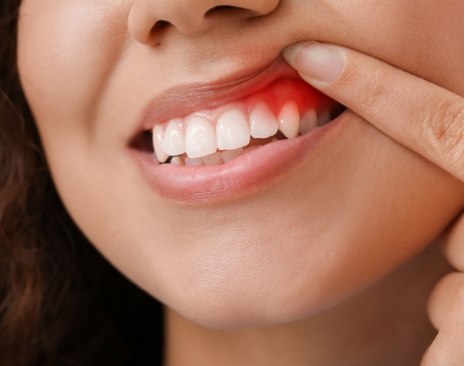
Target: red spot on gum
[(284, 90)]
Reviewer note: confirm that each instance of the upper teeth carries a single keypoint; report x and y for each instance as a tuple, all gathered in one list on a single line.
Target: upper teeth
[(199, 135), (200, 138), (263, 123), (232, 130), (289, 120)]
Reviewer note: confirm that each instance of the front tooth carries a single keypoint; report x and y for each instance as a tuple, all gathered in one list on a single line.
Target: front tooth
[(212, 159), (158, 135), (174, 140), (289, 118), (308, 121), (232, 130), (324, 117), (228, 155), (263, 123), (200, 138)]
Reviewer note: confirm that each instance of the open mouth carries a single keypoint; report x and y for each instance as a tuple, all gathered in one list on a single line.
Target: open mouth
[(285, 109), (214, 142)]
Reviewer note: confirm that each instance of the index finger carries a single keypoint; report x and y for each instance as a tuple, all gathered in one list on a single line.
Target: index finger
[(424, 117)]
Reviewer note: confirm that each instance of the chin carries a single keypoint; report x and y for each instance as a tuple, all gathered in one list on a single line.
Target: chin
[(253, 293), (231, 311)]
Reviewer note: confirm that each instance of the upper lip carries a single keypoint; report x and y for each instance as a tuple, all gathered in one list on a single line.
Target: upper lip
[(184, 99)]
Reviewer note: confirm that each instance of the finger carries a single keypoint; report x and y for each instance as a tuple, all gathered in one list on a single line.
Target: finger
[(453, 244), (422, 116), (446, 310), (446, 349), (449, 289)]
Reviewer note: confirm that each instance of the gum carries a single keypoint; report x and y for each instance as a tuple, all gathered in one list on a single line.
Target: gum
[(284, 90), (275, 96)]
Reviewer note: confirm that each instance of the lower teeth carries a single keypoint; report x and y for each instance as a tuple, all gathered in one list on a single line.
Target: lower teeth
[(218, 158)]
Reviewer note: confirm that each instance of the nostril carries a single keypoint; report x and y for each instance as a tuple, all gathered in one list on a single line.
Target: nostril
[(160, 25), (219, 9), (157, 30)]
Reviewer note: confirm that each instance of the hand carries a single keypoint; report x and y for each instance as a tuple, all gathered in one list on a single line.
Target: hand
[(446, 305), (428, 120)]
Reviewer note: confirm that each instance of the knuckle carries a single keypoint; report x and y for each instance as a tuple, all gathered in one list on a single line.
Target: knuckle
[(452, 305), (458, 302), (445, 125), (442, 296), (437, 355)]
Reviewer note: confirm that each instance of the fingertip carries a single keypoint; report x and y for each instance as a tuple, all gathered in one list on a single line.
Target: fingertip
[(290, 52), (316, 62)]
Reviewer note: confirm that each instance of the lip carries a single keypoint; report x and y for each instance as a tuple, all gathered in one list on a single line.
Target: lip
[(184, 99)]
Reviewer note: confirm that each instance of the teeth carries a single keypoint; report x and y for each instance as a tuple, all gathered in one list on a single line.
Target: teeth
[(213, 159), (200, 138), (174, 141), (175, 160), (263, 123), (158, 144), (289, 120), (193, 161), (308, 121), (232, 130), (324, 117), (201, 135), (228, 155)]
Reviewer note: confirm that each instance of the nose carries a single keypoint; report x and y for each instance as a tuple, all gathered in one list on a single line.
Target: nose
[(149, 18)]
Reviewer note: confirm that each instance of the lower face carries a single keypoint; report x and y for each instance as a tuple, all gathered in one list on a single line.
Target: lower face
[(301, 239)]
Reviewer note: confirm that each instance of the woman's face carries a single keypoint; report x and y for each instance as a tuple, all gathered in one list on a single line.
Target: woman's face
[(351, 210)]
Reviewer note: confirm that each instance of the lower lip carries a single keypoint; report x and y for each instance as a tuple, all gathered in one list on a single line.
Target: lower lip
[(251, 172)]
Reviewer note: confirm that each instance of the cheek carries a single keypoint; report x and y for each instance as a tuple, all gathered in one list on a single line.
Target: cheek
[(66, 50), (425, 37)]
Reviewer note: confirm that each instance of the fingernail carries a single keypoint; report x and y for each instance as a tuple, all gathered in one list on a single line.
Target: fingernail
[(316, 61)]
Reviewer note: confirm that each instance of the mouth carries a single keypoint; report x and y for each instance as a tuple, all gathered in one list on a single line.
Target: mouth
[(205, 143)]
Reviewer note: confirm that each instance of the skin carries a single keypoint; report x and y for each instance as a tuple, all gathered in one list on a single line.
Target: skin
[(431, 123), (88, 70)]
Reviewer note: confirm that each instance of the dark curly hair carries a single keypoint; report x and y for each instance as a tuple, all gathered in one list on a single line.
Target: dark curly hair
[(61, 303)]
